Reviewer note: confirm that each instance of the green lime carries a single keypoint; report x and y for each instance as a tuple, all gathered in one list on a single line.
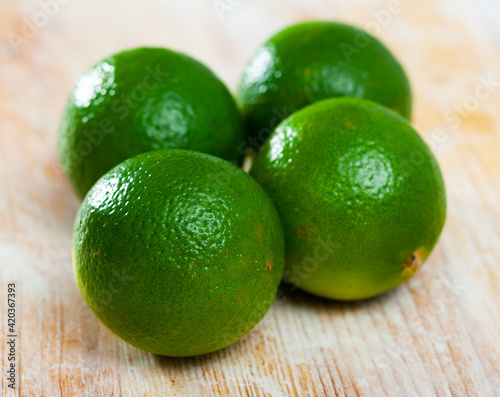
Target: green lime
[(359, 193), (142, 100), (177, 252), (312, 61)]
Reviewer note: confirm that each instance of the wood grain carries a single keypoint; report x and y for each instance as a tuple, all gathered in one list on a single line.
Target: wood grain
[(435, 335)]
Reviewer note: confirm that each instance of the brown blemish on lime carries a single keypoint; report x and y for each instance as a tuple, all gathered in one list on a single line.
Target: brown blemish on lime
[(413, 263), (269, 265), (302, 230), (308, 71)]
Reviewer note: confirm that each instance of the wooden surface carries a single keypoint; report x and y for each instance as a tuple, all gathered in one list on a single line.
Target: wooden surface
[(436, 335)]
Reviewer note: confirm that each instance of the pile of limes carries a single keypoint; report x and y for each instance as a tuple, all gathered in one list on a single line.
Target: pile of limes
[(180, 252)]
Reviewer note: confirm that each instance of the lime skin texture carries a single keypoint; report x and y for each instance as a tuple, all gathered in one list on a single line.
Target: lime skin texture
[(359, 193), (141, 100), (179, 253), (312, 61)]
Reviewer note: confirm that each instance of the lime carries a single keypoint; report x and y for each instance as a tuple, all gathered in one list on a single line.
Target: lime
[(359, 193), (312, 61), (177, 252), (142, 100)]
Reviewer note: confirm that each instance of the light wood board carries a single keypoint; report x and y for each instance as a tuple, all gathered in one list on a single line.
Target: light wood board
[(438, 334)]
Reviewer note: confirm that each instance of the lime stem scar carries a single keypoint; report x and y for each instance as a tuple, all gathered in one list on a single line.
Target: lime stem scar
[(413, 262)]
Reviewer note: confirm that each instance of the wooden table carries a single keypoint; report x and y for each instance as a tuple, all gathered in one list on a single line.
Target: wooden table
[(438, 334)]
